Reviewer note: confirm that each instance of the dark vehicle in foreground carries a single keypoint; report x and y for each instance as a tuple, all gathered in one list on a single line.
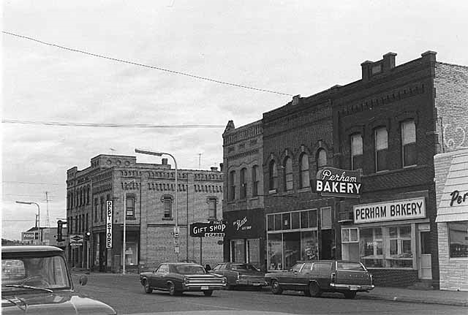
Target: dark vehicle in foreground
[(36, 279), (240, 275), (316, 277), (181, 277)]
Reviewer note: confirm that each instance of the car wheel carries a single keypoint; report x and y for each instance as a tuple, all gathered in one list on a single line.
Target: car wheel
[(275, 287), (208, 293), (349, 295), (146, 287), (314, 289), (172, 290)]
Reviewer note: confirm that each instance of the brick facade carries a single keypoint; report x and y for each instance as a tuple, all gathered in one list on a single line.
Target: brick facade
[(149, 232)]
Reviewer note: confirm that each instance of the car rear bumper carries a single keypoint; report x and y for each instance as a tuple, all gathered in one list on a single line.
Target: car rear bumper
[(252, 282), (352, 287), (202, 287)]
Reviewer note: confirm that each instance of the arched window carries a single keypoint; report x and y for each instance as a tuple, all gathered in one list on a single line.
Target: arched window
[(255, 180), (232, 186), (288, 174), (243, 183), (272, 176), (321, 158), (304, 180)]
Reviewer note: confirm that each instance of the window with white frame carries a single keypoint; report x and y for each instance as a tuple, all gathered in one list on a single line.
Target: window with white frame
[(381, 149), (356, 151), (408, 142)]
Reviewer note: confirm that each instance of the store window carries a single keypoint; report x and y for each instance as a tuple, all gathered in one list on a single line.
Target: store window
[(288, 174), (253, 252), (458, 239), (131, 254), (381, 149), (408, 142), (371, 247), (275, 251), (304, 180), (350, 243), (238, 251), (356, 151)]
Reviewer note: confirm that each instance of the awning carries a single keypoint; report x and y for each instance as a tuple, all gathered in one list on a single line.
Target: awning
[(453, 205)]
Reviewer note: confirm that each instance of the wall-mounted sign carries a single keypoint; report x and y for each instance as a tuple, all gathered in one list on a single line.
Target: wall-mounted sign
[(76, 240), (208, 229), (406, 209), (29, 236), (336, 182), (109, 225)]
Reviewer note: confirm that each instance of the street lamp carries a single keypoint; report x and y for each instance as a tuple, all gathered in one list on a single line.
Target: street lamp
[(38, 215), (176, 228)]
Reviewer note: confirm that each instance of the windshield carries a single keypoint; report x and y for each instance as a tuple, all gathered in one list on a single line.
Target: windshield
[(37, 272), (244, 267)]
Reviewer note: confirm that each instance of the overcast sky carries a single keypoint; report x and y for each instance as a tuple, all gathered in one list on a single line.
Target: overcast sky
[(273, 49)]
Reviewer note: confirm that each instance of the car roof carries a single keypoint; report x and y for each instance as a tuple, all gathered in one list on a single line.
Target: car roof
[(181, 263), (30, 249)]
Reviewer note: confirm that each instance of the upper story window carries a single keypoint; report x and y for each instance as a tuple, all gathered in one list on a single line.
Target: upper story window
[(356, 151), (255, 180), (130, 206), (381, 149), (102, 209), (272, 176), (212, 208), (167, 203), (304, 180), (232, 186), (321, 158), (243, 183), (96, 207), (408, 143), (288, 174)]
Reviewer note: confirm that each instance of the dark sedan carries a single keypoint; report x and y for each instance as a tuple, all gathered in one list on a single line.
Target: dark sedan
[(180, 277), (315, 277), (241, 275)]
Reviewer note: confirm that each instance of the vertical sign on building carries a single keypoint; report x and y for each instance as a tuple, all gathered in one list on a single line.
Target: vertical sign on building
[(109, 225)]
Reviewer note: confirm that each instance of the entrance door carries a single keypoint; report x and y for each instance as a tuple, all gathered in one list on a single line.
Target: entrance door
[(425, 265)]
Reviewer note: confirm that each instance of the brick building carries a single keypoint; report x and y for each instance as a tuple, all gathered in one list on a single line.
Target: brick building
[(388, 126), (243, 207), (147, 190)]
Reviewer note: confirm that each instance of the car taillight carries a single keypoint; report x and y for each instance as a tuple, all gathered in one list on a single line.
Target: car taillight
[(333, 277)]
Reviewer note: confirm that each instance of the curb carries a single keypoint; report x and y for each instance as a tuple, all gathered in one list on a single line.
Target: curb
[(414, 300)]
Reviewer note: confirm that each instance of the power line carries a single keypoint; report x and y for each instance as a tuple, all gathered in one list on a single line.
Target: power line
[(107, 125), (144, 65)]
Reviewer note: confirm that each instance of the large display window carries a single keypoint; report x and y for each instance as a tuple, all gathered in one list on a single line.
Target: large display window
[(458, 239), (380, 247)]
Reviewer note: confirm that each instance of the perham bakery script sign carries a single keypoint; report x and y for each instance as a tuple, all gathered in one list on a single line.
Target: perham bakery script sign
[(337, 183)]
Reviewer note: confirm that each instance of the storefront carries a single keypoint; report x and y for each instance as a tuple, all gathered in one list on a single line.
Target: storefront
[(452, 219), (295, 235), (392, 239), (244, 240)]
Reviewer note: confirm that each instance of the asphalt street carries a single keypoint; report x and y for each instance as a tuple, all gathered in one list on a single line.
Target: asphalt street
[(125, 294)]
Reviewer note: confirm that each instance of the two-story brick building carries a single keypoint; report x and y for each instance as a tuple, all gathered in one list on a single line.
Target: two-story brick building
[(116, 185)]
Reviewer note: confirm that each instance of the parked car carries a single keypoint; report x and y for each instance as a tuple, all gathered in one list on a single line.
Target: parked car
[(180, 277), (240, 275), (36, 279), (315, 277)]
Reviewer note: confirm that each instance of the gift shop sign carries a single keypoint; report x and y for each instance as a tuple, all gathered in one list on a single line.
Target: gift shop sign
[(406, 209), (208, 229), (338, 183), (109, 225)]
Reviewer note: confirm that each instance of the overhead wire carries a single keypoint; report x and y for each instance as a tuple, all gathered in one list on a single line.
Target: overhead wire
[(144, 65)]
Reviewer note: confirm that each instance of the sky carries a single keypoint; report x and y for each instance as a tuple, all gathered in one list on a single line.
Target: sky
[(81, 78)]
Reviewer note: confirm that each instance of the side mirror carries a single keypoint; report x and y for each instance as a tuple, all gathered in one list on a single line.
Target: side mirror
[(83, 280)]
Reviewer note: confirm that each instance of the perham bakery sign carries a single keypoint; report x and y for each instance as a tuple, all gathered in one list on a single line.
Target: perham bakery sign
[(338, 183), (390, 211)]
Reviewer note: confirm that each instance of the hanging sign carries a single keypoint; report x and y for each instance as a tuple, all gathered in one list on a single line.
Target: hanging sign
[(208, 229), (336, 182), (109, 225)]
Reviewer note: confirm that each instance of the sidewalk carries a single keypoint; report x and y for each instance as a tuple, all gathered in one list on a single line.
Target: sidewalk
[(417, 296)]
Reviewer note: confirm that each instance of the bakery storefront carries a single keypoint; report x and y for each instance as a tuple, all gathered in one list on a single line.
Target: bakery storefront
[(392, 239), (452, 219)]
